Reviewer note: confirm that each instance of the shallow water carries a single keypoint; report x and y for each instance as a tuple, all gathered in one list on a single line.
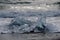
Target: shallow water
[(33, 36)]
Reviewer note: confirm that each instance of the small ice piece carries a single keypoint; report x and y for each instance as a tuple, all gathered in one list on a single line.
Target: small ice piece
[(53, 24), (23, 24)]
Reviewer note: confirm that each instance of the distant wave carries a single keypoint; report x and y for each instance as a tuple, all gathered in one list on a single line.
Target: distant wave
[(56, 3), (15, 2)]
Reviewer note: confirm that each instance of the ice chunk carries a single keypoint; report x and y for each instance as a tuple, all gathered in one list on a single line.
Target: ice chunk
[(23, 24)]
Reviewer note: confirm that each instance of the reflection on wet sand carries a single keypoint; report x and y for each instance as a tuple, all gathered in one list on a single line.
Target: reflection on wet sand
[(38, 36)]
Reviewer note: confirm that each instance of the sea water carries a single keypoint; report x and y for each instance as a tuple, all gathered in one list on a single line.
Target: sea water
[(36, 17)]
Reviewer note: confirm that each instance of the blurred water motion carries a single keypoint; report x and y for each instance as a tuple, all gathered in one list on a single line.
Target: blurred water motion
[(21, 18)]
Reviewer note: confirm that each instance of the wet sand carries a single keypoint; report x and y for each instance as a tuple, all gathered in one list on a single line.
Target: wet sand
[(32, 36)]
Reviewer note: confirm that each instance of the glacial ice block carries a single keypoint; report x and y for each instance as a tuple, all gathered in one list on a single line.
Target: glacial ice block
[(24, 24)]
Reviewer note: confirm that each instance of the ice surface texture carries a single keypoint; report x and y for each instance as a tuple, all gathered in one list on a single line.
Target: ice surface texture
[(23, 24)]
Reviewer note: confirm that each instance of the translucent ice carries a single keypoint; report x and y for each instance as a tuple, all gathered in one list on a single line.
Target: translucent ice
[(23, 24)]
